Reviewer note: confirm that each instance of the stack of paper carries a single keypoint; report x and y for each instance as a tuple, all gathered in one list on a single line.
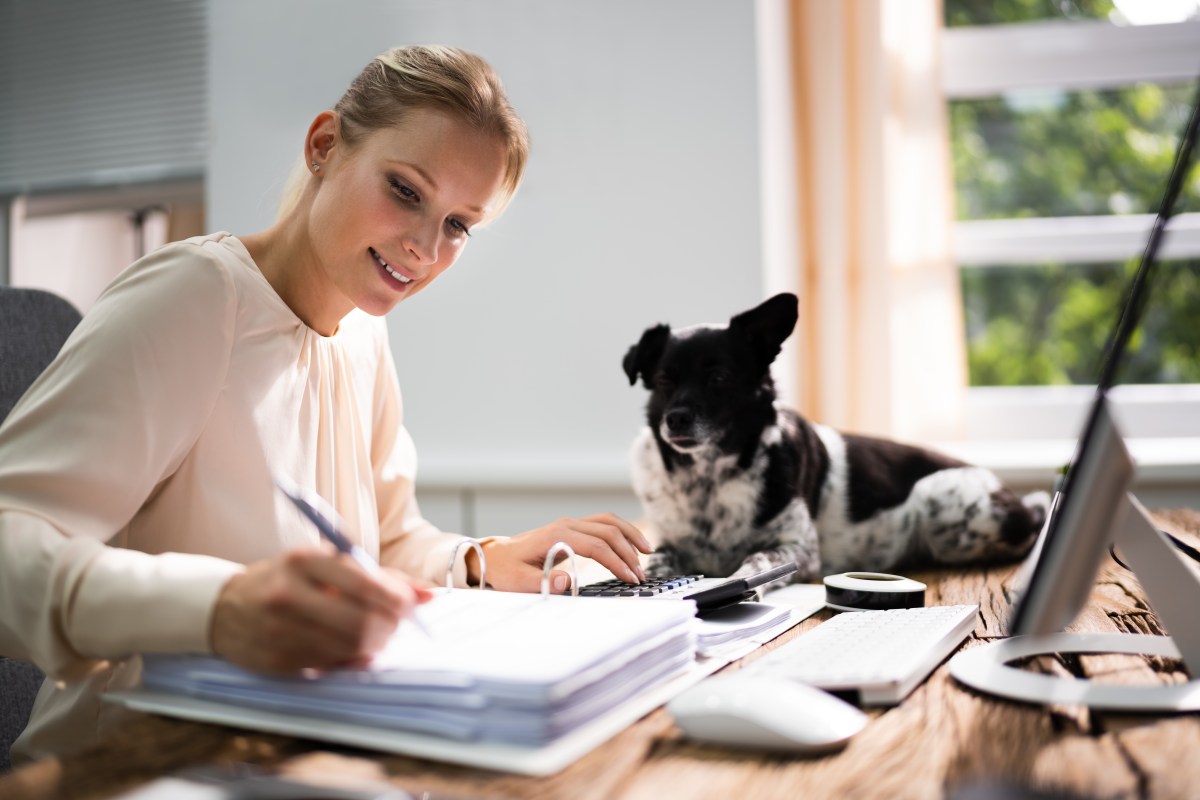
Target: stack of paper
[(515, 668), (738, 623)]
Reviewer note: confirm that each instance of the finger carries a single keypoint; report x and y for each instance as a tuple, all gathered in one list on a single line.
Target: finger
[(317, 594), (355, 663), (559, 582), (528, 578), (598, 549), (322, 656), (311, 606), (416, 583), (618, 543), (382, 591), (271, 618), (400, 587), (421, 589), (630, 531), (291, 645)]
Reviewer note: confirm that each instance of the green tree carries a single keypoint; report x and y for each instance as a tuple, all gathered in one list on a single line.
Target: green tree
[(1051, 153), (991, 12)]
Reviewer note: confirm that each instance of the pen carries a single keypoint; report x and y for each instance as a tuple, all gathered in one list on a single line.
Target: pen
[(329, 529)]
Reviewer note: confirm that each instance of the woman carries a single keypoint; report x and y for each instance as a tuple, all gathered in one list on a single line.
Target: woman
[(136, 505)]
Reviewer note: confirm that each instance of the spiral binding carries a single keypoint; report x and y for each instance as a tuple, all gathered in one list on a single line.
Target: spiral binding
[(548, 565)]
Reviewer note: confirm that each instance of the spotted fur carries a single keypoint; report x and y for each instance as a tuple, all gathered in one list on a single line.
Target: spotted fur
[(735, 483)]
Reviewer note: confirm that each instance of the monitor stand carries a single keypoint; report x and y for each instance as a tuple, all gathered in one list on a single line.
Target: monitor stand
[(1174, 593)]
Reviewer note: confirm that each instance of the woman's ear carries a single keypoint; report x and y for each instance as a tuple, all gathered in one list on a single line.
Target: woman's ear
[(321, 140)]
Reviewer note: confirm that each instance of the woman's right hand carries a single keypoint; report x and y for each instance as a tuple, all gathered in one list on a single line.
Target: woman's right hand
[(309, 608)]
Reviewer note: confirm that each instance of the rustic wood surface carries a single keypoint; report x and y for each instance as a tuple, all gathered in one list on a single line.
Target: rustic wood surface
[(943, 741)]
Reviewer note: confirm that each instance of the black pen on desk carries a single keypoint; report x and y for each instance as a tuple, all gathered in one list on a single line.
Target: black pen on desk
[(329, 529)]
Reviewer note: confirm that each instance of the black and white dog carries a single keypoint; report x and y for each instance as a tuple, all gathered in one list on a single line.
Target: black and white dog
[(734, 483)]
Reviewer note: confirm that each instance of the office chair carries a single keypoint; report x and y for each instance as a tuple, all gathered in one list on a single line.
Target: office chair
[(33, 326)]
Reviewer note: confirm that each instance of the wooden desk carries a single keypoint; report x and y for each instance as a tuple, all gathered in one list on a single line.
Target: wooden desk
[(942, 740)]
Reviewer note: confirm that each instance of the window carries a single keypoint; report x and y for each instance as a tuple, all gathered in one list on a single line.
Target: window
[(75, 243), (1064, 118)]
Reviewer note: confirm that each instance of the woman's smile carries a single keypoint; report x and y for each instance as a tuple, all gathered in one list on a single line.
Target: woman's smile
[(391, 275)]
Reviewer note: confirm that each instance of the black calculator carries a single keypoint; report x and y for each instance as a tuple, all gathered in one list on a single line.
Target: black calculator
[(709, 594)]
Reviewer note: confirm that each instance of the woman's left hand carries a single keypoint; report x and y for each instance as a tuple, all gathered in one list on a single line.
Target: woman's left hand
[(515, 564)]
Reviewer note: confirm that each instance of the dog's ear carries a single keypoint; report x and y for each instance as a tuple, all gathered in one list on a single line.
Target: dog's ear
[(643, 357), (768, 325)]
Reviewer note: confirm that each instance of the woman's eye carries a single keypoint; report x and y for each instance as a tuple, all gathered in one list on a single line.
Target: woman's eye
[(457, 227), (403, 191)]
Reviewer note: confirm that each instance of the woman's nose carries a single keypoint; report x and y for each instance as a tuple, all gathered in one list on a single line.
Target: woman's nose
[(422, 243)]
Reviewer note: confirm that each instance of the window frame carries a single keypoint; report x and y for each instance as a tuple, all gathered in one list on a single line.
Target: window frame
[(988, 60)]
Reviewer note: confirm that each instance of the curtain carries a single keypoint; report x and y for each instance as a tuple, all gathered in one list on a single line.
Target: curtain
[(880, 340)]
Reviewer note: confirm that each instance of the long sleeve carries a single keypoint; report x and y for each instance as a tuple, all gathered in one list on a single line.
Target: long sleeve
[(109, 421), (136, 474)]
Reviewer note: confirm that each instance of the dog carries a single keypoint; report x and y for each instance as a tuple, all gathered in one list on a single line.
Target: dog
[(735, 483)]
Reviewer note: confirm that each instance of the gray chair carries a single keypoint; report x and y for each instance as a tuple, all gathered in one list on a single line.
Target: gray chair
[(33, 326)]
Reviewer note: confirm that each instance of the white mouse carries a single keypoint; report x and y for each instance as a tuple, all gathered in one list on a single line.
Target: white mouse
[(765, 713)]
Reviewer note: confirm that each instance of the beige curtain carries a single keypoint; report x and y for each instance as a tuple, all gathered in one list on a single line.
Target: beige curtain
[(880, 346)]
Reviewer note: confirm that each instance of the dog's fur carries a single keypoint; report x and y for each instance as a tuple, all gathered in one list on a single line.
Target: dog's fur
[(734, 483)]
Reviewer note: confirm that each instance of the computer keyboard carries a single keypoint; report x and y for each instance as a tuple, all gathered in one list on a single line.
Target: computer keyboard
[(880, 655)]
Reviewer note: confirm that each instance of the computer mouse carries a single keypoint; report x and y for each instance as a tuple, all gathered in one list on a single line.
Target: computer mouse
[(765, 713)]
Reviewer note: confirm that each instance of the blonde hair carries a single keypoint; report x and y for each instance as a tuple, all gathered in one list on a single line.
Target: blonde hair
[(427, 76)]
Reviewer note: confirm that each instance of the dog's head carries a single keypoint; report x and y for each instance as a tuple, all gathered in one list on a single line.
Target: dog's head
[(711, 384)]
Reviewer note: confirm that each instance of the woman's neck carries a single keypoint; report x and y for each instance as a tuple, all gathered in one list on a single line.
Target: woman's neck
[(285, 257)]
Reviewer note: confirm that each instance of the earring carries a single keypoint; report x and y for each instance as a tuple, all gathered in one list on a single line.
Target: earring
[(316, 167)]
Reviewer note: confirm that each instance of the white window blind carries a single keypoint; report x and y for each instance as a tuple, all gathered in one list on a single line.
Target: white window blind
[(101, 93)]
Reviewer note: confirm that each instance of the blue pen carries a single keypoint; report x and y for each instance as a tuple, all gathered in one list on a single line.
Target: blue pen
[(329, 529)]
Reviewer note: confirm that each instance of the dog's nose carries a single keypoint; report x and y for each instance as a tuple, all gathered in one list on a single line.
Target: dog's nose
[(679, 420)]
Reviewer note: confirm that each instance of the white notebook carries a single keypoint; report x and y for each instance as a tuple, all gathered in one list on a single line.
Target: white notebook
[(515, 671)]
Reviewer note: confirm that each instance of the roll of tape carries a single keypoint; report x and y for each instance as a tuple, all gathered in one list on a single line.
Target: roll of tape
[(872, 591)]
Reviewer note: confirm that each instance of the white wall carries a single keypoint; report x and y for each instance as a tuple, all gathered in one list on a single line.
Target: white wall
[(640, 205)]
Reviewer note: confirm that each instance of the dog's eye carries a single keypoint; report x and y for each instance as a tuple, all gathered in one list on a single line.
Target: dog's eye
[(663, 381), (718, 379)]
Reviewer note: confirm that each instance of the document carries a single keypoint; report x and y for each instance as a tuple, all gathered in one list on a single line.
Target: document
[(519, 671)]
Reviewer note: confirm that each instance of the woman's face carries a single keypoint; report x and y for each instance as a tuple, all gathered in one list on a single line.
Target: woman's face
[(396, 211)]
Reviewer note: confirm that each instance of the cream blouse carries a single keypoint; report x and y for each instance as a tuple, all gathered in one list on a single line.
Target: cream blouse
[(136, 473)]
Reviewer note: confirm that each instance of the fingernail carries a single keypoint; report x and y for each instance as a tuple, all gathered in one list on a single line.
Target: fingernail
[(630, 576), (560, 583), (641, 575)]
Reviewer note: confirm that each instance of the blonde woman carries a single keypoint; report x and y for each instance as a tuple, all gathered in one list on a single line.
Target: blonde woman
[(137, 512)]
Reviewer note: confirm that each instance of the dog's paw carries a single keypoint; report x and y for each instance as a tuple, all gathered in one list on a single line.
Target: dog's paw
[(661, 564)]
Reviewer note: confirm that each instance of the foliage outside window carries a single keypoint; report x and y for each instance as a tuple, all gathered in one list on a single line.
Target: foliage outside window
[(1039, 153)]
